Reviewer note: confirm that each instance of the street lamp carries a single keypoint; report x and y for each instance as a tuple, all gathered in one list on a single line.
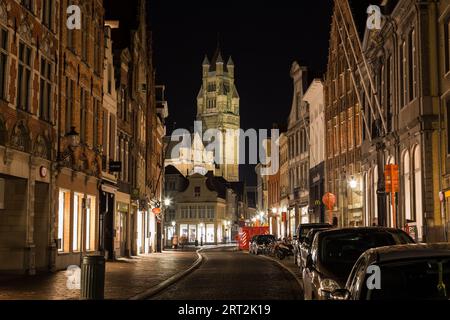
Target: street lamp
[(353, 183), (74, 138), (167, 202)]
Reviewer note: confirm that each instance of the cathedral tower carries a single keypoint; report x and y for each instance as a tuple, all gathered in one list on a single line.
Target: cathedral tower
[(218, 108)]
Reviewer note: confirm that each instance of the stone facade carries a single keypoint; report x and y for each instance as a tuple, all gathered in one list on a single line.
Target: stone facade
[(29, 52), (298, 147)]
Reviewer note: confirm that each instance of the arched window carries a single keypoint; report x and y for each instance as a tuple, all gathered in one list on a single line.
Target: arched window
[(390, 160), (407, 184), (418, 212)]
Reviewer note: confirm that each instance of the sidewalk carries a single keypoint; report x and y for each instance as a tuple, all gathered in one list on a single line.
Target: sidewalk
[(124, 279)]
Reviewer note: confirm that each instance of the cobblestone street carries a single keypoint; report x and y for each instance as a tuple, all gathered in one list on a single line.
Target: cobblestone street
[(124, 279)]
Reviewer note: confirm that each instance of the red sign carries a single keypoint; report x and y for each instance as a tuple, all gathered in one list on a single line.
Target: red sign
[(329, 200), (392, 178), (246, 234), (156, 210), (284, 217)]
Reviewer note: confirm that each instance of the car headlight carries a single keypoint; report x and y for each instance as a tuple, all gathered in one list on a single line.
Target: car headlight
[(327, 287)]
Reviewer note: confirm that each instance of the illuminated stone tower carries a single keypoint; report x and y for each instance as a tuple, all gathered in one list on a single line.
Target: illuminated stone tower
[(218, 108)]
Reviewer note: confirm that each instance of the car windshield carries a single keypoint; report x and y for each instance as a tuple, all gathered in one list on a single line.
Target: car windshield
[(265, 239), (340, 251), (425, 279)]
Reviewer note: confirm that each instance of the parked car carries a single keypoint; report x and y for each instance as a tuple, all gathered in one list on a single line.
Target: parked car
[(334, 253), (305, 247), (406, 272), (302, 231), (260, 242)]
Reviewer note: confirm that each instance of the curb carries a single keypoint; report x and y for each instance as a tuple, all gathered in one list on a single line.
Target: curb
[(172, 280), (300, 282)]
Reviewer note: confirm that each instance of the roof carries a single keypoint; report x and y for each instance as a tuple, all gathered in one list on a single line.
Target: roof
[(171, 170), (411, 251), (218, 184)]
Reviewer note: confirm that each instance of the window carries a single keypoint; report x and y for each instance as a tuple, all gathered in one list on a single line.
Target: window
[(407, 183), (350, 129), (211, 87), (47, 13), (211, 213), (46, 90), (95, 124), (28, 4), (91, 226), (76, 225), (192, 212), (110, 76), (336, 136), (64, 221), (447, 45), (70, 34), (112, 136), (83, 114), (69, 103), (84, 39), (3, 61), (197, 192), (418, 212), (404, 74), (105, 132), (98, 61), (412, 66), (24, 77)]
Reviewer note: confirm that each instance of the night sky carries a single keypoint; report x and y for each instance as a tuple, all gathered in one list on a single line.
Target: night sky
[(263, 37)]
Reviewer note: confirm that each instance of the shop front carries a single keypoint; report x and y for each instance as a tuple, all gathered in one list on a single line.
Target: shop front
[(77, 218), (122, 221)]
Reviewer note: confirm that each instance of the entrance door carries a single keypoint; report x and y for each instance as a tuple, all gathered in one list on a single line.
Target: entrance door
[(123, 233), (41, 210), (107, 219)]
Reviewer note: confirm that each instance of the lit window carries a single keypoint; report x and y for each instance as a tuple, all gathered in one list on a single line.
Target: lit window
[(64, 221), (91, 226)]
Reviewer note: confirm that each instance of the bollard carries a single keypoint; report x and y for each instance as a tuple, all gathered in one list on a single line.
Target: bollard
[(93, 278)]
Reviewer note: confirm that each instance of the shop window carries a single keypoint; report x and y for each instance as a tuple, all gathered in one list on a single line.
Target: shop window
[(63, 241), (91, 225), (76, 224)]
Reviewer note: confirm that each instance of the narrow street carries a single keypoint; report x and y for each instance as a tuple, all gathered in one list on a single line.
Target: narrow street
[(228, 274)]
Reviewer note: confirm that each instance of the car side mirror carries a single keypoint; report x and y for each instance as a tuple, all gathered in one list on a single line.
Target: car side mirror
[(340, 295)]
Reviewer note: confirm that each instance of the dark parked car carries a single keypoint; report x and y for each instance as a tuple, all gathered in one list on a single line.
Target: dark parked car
[(305, 247), (407, 272), (302, 231), (334, 253), (260, 242)]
